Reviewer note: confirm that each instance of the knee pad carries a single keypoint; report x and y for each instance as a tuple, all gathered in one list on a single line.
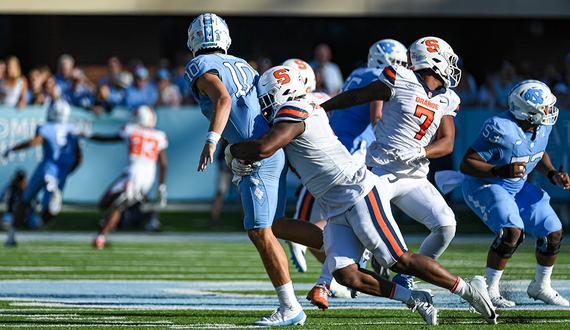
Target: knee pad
[(504, 249), (547, 248)]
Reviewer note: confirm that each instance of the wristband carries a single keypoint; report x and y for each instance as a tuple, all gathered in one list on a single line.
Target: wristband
[(212, 138), (552, 173), (503, 171)]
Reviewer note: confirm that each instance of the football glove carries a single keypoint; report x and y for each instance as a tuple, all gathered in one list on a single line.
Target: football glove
[(228, 155), (411, 154), (240, 168), (161, 195)]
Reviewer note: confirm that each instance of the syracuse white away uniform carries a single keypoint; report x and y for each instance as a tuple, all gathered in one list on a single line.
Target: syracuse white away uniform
[(138, 177), (306, 208), (349, 195), (410, 119)]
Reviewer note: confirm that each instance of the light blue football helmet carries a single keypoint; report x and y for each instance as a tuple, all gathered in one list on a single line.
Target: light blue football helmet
[(208, 31)]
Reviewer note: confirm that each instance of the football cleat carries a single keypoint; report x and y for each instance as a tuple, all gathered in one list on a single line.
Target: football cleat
[(497, 300), (298, 256), (99, 242), (478, 297), (380, 270), (284, 316), (407, 281), (54, 205), (319, 296), (545, 293), (422, 302), (339, 291)]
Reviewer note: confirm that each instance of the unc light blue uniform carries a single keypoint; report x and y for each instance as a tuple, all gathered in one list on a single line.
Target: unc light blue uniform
[(60, 142), (352, 125), (264, 192), (511, 202)]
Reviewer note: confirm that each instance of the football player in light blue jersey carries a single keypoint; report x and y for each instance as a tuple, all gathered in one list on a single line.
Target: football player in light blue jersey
[(509, 146), (225, 88), (353, 126), (62, 155)]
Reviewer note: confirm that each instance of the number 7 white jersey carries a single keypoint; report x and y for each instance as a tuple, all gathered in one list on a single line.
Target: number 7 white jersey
[(409, 119)]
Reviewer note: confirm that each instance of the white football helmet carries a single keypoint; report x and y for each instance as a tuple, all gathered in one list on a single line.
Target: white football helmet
[(208, 31), (436, 54), (532, 100), (277, 86), (386, 52), (144, 116), (306, 71), (58, 111)]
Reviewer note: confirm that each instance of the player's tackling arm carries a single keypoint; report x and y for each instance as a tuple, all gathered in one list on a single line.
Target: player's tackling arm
[(445, 139), (103, 138), (36, 140), (210, 85), (375, 112), (374, 91), (474, 165), (278, 136)]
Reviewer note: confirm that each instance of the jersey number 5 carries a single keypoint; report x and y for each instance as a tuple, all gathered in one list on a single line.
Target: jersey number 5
[(421, 112)]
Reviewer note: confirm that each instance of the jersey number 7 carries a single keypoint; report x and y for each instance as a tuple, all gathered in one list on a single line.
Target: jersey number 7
[(420, 112)]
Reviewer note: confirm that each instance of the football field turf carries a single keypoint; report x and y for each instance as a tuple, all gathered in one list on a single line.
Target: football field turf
[(217, 281)]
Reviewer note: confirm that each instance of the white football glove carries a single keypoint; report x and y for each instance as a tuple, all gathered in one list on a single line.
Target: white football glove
[(228, 155), (161, 195), (360, 154), (411, 154), (239, 168)]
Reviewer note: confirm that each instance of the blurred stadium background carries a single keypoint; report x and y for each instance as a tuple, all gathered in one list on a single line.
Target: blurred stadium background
[(500, 43)]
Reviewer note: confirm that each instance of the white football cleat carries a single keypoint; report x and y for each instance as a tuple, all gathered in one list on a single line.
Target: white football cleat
[(284, 316), (478, 297), (54, 205), (421, 301), (339, 291), (298, 256), (497, 300), (546, 293)]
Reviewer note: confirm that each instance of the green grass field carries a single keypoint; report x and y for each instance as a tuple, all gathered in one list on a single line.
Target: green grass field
[(183, 262)]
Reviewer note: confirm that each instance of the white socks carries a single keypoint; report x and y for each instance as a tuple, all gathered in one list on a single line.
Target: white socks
[(493, 276), (543, 274), (286, 295), (400, 293), (460, 287)]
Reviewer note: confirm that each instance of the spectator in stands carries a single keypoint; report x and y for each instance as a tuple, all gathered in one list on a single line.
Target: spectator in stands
[(36, 94), (63, 77), (80, 92), (114, 67), (168, 94), (264, 64), (109, 96), (15, 87), (562, 96), (142, 91), (179, 79), (332, 75), (467, 87), (551, 76), (501, 84), (320, 82)]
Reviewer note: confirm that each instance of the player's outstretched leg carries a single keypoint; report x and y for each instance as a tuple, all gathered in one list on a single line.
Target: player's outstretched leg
[(429, 270)]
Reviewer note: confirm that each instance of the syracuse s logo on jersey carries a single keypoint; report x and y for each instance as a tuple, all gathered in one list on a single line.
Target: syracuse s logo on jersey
[(281, 76)]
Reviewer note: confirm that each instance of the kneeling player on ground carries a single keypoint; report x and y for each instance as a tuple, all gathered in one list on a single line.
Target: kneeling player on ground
[(146, 146), (351, 197)]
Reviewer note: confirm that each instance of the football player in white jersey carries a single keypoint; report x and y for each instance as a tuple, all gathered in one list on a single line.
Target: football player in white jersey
[(419, 107), (351, 197), (146, 146)]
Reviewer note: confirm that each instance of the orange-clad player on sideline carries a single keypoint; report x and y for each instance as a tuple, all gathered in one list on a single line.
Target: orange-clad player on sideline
[(146, 146)]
